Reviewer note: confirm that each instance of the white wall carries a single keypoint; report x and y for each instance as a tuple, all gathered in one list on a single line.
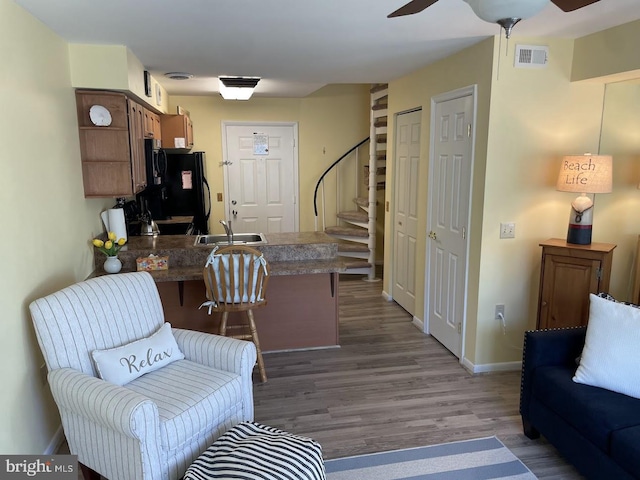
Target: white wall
[(46, 222)]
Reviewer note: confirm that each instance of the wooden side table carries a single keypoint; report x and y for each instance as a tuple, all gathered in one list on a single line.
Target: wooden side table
[(568, 274)]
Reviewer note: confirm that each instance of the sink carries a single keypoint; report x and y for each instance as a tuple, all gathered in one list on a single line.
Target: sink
[(238, 239)]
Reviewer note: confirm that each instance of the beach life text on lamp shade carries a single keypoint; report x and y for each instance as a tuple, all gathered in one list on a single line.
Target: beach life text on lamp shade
[(237, 88), (584, 174)]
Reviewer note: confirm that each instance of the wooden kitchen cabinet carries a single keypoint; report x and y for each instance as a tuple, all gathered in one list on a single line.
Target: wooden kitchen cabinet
[(568, 274), (177, 131), (136, 142), (152, 127), (112, 151)]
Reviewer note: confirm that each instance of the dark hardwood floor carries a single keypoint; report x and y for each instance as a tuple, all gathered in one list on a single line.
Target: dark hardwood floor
[(389, 386)]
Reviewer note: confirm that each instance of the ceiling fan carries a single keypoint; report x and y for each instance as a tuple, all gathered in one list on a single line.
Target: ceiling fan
[(505, 13)]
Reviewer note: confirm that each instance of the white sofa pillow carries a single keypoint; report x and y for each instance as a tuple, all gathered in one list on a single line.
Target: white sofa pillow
[(611, 353), (120, 365)]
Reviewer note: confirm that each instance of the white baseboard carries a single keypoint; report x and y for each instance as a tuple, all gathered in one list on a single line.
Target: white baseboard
[(419, 324), (386, 296), (55, 442), (492, 367)]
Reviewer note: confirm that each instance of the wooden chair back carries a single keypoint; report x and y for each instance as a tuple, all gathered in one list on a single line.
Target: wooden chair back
[(237, 279)]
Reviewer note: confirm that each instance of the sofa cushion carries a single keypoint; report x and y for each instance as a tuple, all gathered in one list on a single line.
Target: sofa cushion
[(187, 406), (611, 355), (625, 448), (594, 412)]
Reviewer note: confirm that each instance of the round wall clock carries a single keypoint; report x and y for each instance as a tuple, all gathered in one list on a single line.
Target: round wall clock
[(100, 116)]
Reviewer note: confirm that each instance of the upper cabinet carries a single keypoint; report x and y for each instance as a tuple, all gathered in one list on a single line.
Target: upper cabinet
[(152, 125), (111, 130), (177, 131)]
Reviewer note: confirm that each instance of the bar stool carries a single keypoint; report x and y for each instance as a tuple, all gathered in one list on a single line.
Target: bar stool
[(236, 280)]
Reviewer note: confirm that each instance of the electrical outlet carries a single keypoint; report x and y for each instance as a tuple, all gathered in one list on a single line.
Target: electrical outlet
[(499, 311), (508, 230), (43, 373)]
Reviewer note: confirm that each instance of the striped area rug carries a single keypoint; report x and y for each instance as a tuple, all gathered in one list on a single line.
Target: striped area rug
[(479, 459)]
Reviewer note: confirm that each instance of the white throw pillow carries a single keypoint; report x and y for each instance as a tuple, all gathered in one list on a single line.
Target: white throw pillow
[(611, 353), (123, 364)]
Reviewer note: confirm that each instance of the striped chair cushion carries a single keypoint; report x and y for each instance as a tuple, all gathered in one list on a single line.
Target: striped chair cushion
[(186, 404), (251, 451)]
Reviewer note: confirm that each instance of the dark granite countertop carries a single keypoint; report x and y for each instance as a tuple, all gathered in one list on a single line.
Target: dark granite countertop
[(296, 253)]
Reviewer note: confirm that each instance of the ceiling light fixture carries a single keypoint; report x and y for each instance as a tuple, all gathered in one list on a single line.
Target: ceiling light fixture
[(237, 88), (178, 75), (506, 13)]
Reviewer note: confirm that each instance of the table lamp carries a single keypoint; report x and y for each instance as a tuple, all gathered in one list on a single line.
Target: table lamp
[(584, 174)]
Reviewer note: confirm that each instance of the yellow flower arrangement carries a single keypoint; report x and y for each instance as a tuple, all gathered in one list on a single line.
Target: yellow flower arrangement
[(111, 247)]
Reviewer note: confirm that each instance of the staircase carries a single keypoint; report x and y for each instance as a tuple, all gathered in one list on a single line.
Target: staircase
[(356, 229)]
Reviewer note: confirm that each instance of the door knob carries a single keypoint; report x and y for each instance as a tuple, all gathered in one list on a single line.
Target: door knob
[(234, 212), (432, 235)]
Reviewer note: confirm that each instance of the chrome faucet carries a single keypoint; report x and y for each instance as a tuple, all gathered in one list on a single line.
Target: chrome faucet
[(228, 230)]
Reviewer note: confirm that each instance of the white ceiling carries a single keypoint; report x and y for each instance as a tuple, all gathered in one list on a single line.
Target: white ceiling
[(296, 46)]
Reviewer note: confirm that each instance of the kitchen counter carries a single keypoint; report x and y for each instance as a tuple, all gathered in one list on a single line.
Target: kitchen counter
[(295, 253), (302, 293)]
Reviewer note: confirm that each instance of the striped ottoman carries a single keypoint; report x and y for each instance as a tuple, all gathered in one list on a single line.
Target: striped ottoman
[(251, 451)]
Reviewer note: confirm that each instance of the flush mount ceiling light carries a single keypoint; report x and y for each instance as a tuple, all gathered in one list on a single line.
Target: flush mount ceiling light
[(506, 13), (237, 88), (178, 75)]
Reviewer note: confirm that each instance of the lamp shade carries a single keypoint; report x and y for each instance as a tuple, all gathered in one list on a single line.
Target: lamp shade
[(585, 174), (494, 10)]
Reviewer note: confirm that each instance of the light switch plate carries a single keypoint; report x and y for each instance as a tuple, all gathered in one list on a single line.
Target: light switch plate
[(508, 230)]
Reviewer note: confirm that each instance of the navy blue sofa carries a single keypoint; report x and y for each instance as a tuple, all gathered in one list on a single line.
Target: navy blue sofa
[(596, 430)]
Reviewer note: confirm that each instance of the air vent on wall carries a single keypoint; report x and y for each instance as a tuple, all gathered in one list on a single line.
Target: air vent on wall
[(531, 56)]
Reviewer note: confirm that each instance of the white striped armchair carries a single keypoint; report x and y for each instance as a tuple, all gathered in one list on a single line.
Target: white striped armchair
[(154, 426)]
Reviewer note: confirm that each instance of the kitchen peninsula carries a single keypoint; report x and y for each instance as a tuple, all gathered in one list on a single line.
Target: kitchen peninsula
[(302, 294)]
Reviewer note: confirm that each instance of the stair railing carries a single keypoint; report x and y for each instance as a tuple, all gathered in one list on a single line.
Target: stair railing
[(320, 183)]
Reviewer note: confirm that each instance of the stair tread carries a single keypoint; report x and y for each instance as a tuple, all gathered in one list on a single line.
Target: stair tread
[(378, 87), (352, 247), (347, 231), (363, 201), (354, 215), (355, 263)]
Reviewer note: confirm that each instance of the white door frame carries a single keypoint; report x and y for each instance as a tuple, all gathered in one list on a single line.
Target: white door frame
[(296, 180), (472, 91)]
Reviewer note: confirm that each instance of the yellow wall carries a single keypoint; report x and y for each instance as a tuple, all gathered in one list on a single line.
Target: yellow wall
[(46, 222), (334, 118), (113, 67), (537, 116), (612, 52), (469, 67), (618, 218), (527, 120)]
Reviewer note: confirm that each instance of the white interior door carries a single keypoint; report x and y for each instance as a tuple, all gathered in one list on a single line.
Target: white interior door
[(406, 167), (449, 195), (261, 177)]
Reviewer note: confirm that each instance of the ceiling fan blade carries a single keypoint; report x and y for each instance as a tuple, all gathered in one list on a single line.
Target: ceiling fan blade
[(414, 6), (571, 5)]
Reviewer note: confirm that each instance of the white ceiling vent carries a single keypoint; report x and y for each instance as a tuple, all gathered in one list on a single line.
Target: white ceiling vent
[(531, 56)]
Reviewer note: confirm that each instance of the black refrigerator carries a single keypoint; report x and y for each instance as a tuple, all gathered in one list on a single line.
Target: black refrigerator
[(181, 190)]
